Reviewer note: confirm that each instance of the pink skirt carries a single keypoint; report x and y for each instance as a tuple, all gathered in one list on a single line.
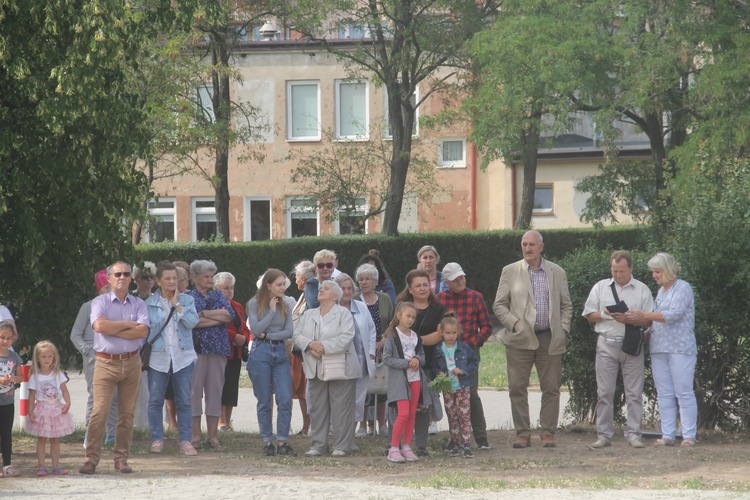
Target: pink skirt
[(50, 421)]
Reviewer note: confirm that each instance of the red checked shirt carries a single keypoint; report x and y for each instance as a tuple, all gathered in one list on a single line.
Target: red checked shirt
[(472, 313)]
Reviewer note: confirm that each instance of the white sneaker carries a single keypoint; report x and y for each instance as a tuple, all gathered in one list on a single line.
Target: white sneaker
[(433, 428), (637, 443), (313, 453), (361, 433), (383, 430)]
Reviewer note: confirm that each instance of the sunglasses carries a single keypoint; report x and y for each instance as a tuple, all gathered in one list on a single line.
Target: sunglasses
[(147, 277), (125, 274), (324, 265)]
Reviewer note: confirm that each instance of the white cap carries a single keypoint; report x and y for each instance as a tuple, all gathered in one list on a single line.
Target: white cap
[(452, 270)]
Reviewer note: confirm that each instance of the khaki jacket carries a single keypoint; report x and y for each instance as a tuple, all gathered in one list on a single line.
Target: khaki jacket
[(335, 331), (514, 301)]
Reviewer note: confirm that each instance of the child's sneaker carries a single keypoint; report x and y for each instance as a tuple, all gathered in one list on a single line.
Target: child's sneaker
[(396, 456), (41, 472), (59, 471), (468, 453), (456, 451)]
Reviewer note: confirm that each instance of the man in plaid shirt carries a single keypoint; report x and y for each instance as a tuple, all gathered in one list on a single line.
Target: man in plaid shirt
[(476, 326)]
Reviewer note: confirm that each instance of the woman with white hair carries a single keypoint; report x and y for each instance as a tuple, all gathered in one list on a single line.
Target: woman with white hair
[(673, 349), (380, 307), (364, 343), (303, 271), (238, 334), (322, 332), (212, 346)]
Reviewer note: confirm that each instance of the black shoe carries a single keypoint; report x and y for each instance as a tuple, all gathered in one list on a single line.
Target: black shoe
[(468, 453), (285, 450), (422, 452), (268, 450), (482, 444), (456, 452), (450, 446)]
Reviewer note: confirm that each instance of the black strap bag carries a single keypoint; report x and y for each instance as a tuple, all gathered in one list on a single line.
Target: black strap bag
[(632, 342), (146, 348)]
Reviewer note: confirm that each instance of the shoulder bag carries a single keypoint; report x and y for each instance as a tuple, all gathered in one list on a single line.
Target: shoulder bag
[(632, 342), (146, 348)]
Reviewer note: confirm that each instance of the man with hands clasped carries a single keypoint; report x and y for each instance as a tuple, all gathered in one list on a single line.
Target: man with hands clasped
[(609, 355)]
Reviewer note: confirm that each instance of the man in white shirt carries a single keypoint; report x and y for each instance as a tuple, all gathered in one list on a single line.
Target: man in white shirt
[(609, 355)]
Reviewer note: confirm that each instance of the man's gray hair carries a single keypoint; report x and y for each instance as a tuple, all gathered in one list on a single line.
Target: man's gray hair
[(367, 270), (337, 291), (223, 276), (198, 267)]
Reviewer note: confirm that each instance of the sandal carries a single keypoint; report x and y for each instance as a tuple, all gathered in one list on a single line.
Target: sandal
[(10, 471), (663, 442), (688, 443)]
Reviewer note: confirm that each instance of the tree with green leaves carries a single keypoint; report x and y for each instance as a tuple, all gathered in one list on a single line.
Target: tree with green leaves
[(69, 127), (520, 70), (405, 45)]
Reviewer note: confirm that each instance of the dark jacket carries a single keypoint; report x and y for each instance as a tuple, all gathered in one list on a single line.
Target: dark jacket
[(466, 360)]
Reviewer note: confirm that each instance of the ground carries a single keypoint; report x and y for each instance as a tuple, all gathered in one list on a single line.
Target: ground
[(718, 467)]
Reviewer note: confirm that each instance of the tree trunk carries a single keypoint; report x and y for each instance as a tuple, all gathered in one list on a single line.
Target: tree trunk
[(531, 145), (401, 115), (222, 107)]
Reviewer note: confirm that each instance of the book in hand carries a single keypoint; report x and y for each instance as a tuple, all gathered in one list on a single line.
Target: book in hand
[(620, 307)]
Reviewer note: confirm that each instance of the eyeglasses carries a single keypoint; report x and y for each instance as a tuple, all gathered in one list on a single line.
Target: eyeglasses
[(125, 274), (147, 277), (324, 265)]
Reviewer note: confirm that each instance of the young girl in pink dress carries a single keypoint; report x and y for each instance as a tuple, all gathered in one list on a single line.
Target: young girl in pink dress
[(49, 402)]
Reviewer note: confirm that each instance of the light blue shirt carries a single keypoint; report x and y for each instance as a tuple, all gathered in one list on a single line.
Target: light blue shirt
[(677, 334)]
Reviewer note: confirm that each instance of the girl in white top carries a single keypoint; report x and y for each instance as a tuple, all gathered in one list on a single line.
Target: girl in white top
[(403, 354), (49, 402)]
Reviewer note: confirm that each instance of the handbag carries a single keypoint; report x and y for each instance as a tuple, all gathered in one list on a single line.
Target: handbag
[(632, 342), (149, 345), (379, 380), (334, 366), (245, 351)]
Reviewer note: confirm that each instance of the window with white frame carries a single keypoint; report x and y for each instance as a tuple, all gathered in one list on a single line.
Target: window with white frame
[(257, 218), (352, 109), (303, 110), (543, 199), (350, 220), (161, 227), (415, 128), (203, 213), (452, 153), (301, 217), (354, 30), (204, 94)]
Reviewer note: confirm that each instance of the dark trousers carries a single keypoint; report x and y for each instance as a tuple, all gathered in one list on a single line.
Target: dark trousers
[(478, 423), (7, 414)]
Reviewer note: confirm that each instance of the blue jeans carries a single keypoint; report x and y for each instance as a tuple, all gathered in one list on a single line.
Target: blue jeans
[(270, 372), (182, 383)]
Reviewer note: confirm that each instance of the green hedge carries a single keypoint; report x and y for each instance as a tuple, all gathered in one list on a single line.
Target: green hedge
[(482, 254)]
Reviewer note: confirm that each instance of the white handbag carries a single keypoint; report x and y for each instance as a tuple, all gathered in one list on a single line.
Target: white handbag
[(334, 366), (379, 381)]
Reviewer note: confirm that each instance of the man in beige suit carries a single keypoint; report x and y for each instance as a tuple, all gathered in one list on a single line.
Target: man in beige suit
[(533, 304)]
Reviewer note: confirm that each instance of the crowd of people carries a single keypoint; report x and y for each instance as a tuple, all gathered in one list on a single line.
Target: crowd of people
[(332, 348)]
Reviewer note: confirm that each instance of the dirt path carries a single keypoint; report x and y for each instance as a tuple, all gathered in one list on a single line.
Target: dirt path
[(718, 468)]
